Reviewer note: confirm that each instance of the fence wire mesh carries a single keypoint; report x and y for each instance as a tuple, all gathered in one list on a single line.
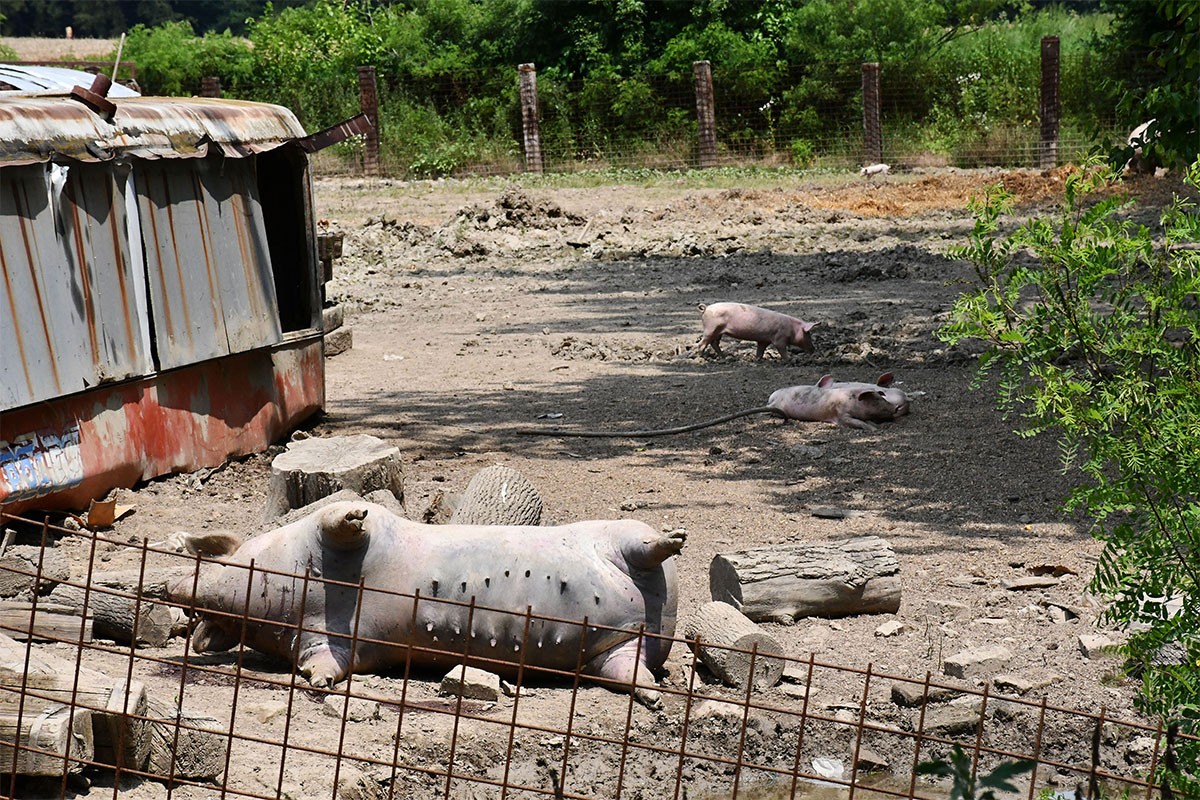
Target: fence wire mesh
[(801, 116), (104, 693)]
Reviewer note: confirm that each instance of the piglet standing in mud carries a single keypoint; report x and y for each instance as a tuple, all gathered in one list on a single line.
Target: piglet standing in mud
[(754, 324), (849, 404), (443, 595)]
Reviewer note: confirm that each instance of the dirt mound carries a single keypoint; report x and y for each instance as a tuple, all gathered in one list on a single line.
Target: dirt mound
[(515, 208)]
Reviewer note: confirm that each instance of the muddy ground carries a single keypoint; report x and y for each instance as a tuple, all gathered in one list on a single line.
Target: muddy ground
[(478, 308)]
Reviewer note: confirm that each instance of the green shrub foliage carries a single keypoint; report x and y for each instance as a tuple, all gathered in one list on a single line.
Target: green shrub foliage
[(1092, 322)]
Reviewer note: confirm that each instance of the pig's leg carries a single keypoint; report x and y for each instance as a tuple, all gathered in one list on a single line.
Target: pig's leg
[(209, 637), (785, 353), (711, 338), (762, 350), (321, 665), (653, 549), (622, 666), (341, 526), (859, 424)]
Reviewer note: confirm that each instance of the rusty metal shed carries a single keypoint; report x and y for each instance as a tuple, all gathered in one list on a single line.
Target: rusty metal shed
[(159, 309)]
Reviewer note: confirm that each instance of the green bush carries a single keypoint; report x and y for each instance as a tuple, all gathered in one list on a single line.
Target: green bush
[(172, 60), (1093, 326)]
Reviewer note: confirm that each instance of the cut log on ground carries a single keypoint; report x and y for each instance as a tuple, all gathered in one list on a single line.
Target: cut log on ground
[(184, 744), (152, 584), (117, 615), (116, 706), (728, 641), (45, 622), (52, 742), (315, 467), (498, 495), (817, 579), (19, 568)]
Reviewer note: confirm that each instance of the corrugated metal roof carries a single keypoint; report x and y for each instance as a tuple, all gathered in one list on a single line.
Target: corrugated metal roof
[(35, 78), (38, 128)]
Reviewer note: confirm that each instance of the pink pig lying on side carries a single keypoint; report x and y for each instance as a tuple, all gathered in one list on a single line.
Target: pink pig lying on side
[(754, 324), (851, 405)]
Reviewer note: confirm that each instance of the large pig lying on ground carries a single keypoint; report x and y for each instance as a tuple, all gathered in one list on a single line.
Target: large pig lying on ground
[(853, 405), (618, 574), (754, 324)]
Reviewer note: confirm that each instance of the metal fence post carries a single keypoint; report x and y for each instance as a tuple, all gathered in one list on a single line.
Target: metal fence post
[(706, 115), (527, 81), (872, 129), (210, 86), (1048, 145), (368, 103)]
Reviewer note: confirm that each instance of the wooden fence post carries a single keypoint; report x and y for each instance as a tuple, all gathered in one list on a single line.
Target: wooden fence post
[(368, 103), (706, 115), (872, 128), (210, 86), (1048, 145), (527, 81)]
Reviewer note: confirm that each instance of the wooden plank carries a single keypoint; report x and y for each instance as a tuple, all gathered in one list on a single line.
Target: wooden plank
[(48, 622)]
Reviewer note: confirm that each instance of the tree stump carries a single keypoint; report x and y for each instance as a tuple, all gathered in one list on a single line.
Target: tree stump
[(315, 467), (724, 633), (197, 753), (817, 579), (498, 495)]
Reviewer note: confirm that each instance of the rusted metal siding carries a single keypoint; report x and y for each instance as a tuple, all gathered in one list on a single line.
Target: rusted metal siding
[(62, 454), (71, 295), (211, 282)]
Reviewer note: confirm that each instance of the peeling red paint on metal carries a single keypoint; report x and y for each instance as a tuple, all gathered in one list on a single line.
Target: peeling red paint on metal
[(179, 421)]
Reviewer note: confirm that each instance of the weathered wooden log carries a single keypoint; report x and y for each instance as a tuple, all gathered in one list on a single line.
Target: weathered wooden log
[(118, 616), (47, 622), (117, 707), (816, 579), (498, 495), (50, 742), (314, 467), (723, 633), (19, 565), (184, 744), (152, 584)]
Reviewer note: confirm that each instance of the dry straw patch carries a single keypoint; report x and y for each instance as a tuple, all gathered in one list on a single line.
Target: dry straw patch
[(35, 48)]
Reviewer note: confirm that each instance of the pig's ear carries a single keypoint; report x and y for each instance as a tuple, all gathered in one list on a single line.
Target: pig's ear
[(808, 326), (886, 379), (866, 394), (825, 381)]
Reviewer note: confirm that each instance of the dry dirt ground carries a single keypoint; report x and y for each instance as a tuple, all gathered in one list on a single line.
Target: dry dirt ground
[(478, 308)]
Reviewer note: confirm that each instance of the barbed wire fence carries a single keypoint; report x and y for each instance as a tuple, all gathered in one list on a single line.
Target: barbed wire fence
[(100, 691)]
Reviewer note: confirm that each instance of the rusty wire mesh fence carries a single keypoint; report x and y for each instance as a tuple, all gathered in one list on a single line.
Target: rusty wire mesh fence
[(820, 115), (102, 693)]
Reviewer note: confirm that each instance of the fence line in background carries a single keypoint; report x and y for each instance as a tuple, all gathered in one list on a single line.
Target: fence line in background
[(119, 712)]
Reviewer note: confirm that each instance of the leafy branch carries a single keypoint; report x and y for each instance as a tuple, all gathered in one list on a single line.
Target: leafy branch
[(1092, 323)]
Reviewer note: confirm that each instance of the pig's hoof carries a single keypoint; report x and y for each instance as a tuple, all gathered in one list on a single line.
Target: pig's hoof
[(668, 545), (652, 549), (343, 529), (650, 698)]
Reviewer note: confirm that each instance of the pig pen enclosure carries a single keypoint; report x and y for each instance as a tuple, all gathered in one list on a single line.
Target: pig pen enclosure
[(476, 309)]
